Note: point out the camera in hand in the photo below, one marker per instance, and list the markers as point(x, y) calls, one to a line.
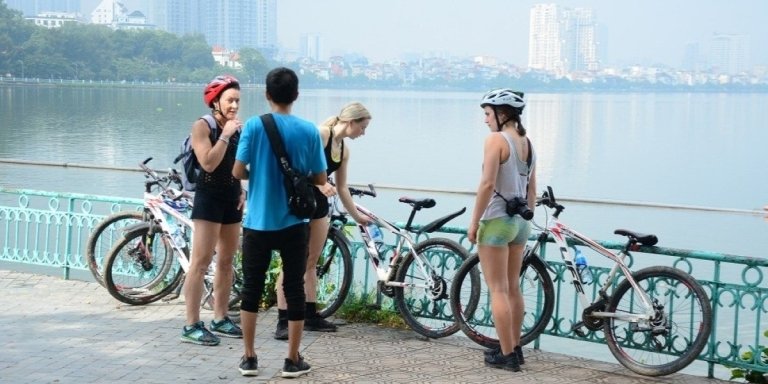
point(519, 206)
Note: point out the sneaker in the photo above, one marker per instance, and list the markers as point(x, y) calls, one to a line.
point(492, 351)
point(198, 334)
point(508, 362)
point(226, 328)
point(318, 324)
point(519, 353)
point(249, 366)
point(291, 369)
point(281, 332)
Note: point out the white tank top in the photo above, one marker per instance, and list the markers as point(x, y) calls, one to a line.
point(511, 181)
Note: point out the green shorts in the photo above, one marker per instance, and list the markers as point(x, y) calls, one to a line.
point(503, 231)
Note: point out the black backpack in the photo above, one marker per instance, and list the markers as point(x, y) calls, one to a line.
point(188, 158)
point(300, 189)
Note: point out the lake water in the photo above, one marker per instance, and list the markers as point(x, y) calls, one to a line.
point(668, 148)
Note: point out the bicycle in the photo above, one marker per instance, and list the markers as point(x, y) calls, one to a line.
point(417, 276)
point(140, 267)
point(656, 320)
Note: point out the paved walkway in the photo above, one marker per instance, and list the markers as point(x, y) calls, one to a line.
point(59, 331)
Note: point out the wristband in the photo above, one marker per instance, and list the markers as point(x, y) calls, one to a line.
point(224, 140)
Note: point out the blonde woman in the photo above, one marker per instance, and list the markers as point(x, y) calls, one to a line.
point(350, 123)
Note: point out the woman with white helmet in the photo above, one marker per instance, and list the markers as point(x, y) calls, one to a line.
point(505, 199)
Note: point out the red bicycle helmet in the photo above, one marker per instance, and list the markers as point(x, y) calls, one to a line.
point(216, 86)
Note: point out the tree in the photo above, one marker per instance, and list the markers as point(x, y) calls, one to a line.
point(255, 66)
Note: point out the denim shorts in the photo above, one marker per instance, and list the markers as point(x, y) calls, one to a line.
point(503, 231)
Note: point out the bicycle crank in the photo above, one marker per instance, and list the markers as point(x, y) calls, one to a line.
point(439, 289)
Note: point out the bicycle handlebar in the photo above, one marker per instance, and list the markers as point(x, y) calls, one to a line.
point(163, 182)
point(361, 192)
point(548, 200)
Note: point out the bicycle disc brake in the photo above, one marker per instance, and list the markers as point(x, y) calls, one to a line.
point(439, 288)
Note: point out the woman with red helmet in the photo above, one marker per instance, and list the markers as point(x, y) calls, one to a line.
point(217, 212)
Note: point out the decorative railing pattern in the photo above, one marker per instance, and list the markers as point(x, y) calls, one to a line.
point(51, 229)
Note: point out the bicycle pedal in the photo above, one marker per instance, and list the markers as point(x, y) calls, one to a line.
point(576, 329)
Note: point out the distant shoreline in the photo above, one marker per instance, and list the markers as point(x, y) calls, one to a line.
point(530, 88)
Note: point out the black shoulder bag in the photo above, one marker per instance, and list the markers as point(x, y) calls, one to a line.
point(301, 194)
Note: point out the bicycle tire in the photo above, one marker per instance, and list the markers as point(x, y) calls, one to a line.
point(235, 295)
point(160, 274)
point(692, 311)
point(536, 287)
point(103, 237)
point(428, 311)
point(334, 273)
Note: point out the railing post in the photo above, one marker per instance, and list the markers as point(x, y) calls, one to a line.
point(68, 238)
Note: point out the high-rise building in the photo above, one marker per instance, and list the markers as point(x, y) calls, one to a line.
point(230, 24)
point(562, 40)
point(310, 46)
point(729, 53)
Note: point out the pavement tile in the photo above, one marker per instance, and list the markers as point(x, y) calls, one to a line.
point(75, 332)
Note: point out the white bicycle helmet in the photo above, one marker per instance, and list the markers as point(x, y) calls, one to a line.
point(504, 96)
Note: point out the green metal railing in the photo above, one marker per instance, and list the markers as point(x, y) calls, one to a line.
point(51, 229)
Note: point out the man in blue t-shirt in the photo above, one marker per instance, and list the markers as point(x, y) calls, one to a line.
point(268, 225)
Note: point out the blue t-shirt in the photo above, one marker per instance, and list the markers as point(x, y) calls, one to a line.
point(267, 205)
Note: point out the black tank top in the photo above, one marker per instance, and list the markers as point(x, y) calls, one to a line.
point(221, 179)
point(332, 165)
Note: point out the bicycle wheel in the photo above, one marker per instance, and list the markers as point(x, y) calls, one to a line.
point(140, 269)
point(426, 308)
point(235, 294)
point(538, 295)
point(674, 337)
point(103, 236)
point(334, 273)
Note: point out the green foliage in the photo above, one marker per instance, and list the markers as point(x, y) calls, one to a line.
point(96, 52)
point(360, 308)
point(751, 376)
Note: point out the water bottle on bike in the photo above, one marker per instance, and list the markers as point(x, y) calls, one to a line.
point(582, 267)
point(376, 236)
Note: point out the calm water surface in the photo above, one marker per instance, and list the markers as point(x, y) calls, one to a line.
point(669, 148)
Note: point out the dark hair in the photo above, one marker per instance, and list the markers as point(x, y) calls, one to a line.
point(511, 114)
point(282, 85)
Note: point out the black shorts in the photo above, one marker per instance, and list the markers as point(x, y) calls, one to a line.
point(322, 205)
point(212, 206)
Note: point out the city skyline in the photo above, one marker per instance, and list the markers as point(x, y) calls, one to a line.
point(648, 33)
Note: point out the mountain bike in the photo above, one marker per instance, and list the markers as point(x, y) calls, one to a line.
point(656, 320)
point(150, 259)
point(103, 236)
point(417, 275)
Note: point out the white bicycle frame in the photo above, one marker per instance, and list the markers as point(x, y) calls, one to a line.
point(405, 242)
point(559, 233)
point(159, 209)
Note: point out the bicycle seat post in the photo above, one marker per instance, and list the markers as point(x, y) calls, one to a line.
point(410, 218)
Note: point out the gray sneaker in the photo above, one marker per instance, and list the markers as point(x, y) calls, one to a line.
point(281, 331)
point(198, 334)
point(226, 328)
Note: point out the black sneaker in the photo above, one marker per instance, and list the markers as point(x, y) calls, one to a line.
point(281, 332)
point(291, 369)
point(508, 362)
point(249, 366)
point(519, 352)
point(318, 324)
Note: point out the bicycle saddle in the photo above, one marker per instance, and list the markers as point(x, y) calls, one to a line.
point(639, 237)
point(418, 203)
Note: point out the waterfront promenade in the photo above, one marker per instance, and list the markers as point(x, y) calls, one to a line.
point(68, 331)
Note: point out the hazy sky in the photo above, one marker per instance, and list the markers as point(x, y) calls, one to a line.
point(645, 32)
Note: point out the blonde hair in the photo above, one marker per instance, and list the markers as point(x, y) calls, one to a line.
point(351, 112)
